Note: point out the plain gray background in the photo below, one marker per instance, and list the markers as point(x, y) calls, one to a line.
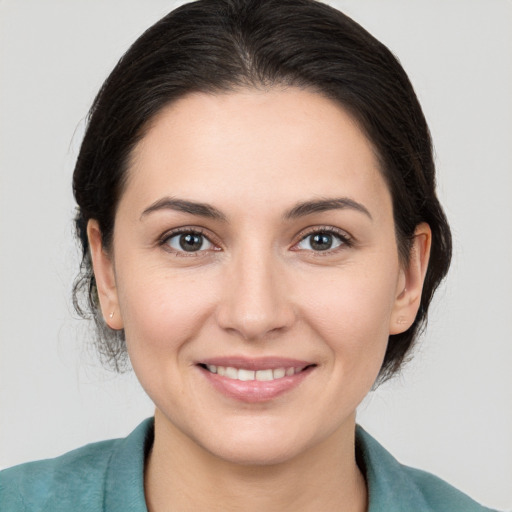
point(450, 412)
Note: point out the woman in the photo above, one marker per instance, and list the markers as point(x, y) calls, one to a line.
point(261, 236)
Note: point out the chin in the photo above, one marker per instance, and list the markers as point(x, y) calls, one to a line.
point(258, 445)
point(264, 453)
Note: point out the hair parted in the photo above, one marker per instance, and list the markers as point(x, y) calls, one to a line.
point(217, 46)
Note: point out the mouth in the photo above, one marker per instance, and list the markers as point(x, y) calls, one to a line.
point(255, 380)
point(247, 375)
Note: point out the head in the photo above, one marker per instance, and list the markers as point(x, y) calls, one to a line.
point(230, 47)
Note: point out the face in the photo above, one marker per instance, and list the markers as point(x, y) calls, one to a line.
point(255, 271)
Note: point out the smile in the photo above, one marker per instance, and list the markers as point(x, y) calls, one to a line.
point(255, 380)
point(245, 375)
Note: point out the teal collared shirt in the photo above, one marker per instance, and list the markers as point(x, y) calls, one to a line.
point(109, 477)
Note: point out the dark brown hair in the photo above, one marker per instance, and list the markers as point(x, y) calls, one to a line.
point(221, 45)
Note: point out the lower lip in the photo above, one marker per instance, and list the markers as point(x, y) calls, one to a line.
point(255, 390)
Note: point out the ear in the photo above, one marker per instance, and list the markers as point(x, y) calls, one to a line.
point(410, 282)
point(105, 277)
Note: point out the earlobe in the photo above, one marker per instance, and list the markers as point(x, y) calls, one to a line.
point(411, 280)
point(103, 268)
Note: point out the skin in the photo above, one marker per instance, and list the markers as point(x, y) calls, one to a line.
point(258, 289)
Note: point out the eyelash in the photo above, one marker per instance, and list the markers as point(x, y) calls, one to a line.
point(164, 242)
point(344, 238)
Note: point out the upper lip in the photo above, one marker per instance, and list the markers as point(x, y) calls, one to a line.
point(257, 363)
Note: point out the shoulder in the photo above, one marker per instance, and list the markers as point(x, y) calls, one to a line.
point(78, 475)
point(439, 495)
point(88, 478)
point(395, 487)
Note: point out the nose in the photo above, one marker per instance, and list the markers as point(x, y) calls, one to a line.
point(255, 301)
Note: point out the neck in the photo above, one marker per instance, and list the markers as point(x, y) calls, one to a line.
point(180, 475)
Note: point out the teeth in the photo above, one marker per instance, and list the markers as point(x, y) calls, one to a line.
point(248, 375)
point(279, 373)
point(264, 375)
point(245, 375)
point(231, 373)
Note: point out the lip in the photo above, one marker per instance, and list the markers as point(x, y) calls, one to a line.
point(256, 363)
point(255, 391)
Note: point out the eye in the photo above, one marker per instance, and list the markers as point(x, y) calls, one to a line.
point(189, 241)
point(323, 240)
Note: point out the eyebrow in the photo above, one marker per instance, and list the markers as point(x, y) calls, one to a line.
point(181, 205)
point(323, 205)
point(299, 210)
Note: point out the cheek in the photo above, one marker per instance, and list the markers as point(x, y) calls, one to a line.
point(161, 311)
point(351, 311)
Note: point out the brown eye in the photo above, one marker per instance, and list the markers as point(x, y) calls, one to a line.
point(189, 242)
point(321, 241)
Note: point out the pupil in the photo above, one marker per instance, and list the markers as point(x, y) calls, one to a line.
point(321, 242)
point(191, 242)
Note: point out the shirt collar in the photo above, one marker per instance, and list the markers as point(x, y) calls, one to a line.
point(389, 487)
point(124, 483)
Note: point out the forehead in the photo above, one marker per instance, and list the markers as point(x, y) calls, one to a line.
point(277, 145)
